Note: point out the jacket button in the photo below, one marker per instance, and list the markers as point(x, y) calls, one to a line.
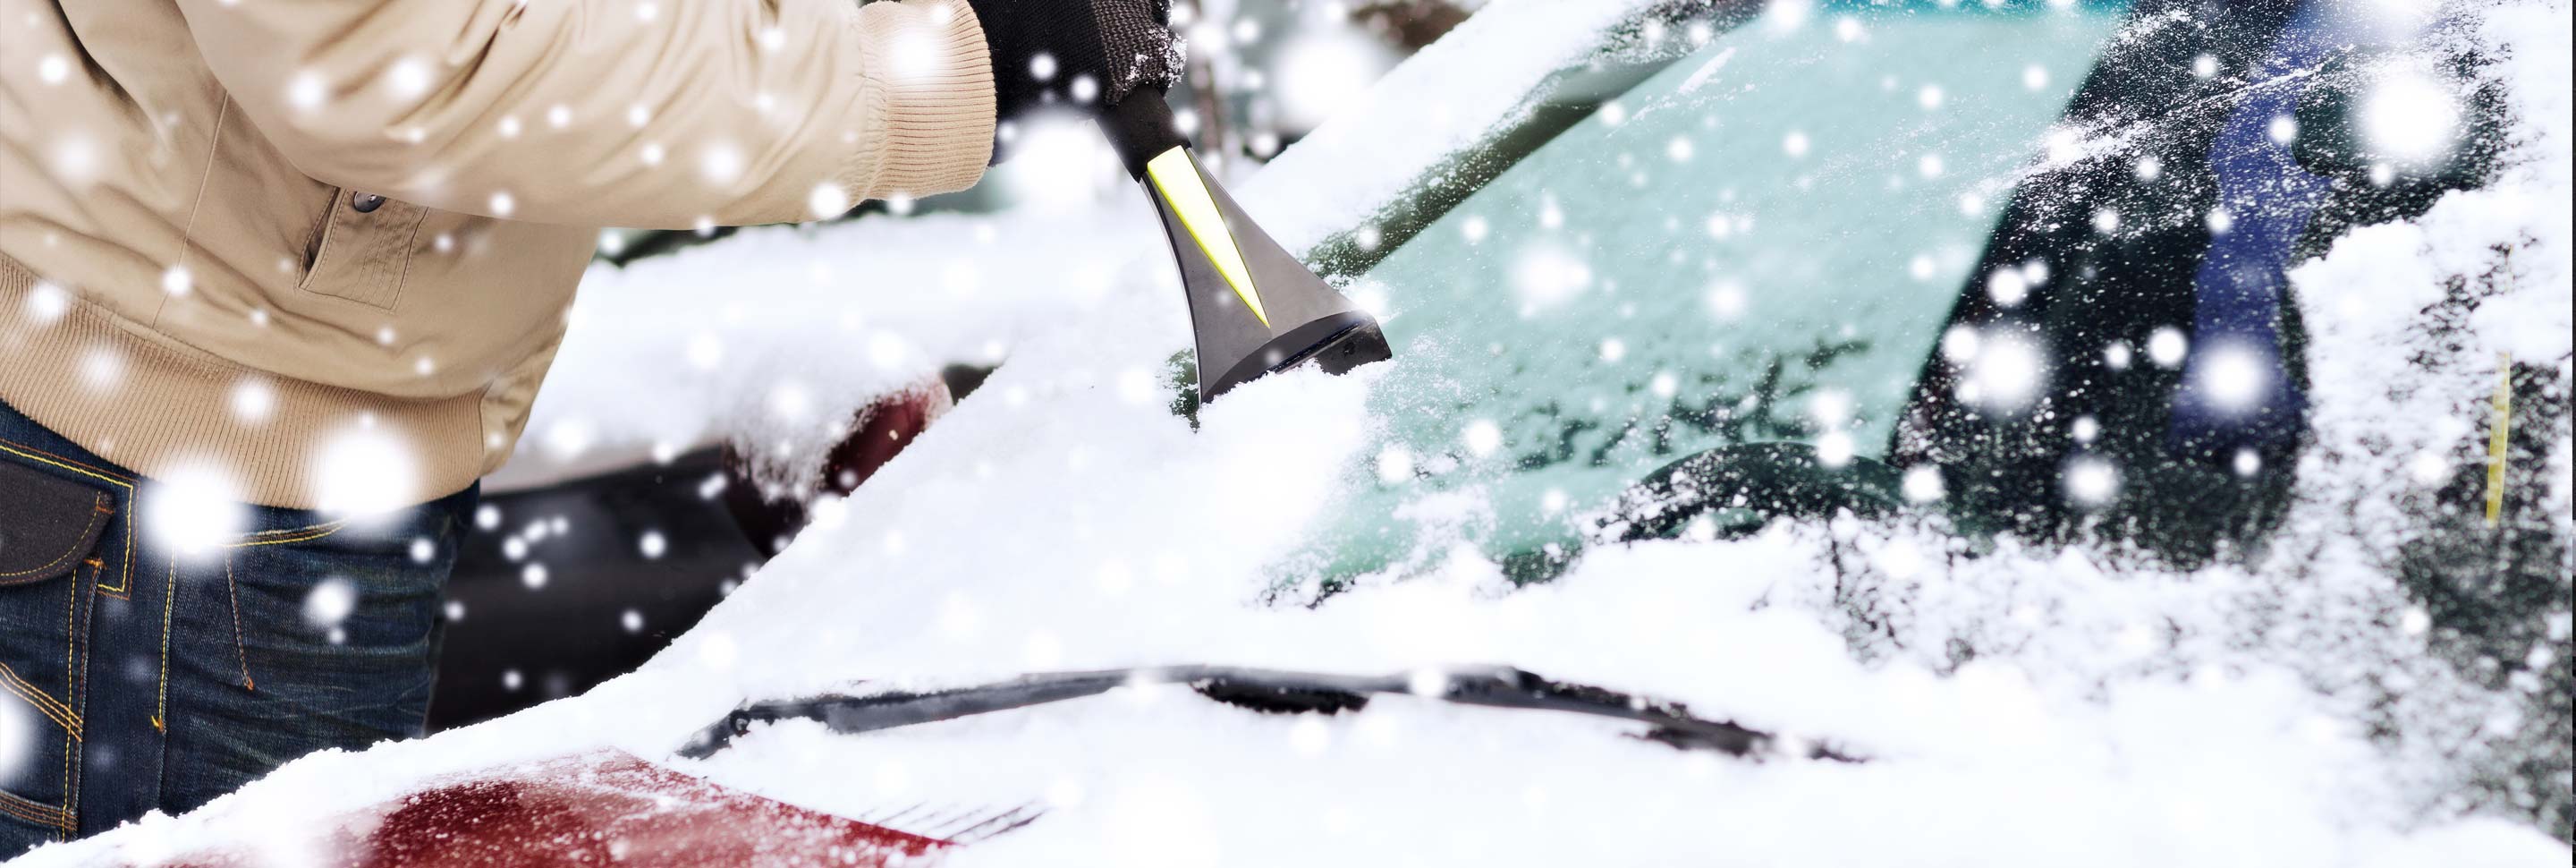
point(366, 202)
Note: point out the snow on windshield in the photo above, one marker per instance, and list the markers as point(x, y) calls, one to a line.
point(1761, 243)
point(2024, 705)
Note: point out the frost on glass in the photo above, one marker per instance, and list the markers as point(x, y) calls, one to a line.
point(1758, 244)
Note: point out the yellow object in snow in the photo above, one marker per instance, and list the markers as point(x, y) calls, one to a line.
point(2497, 437)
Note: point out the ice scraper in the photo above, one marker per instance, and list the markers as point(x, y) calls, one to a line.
point(1254, 308)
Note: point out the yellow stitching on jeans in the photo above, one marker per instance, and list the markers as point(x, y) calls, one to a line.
point(72, 553)
point(54, 709)
point(169, 602)
point(292, 530)
point(66, 463)
point(71, 688)
point(71, 608)
point(33, 454)
point(47, 820)
point(72, 692)
point(17, 802)
point(37, 699)
point(232, 591)
point(309, 534)
point(125, 577)
point(25, 809)
point(31, 809)
point(39, 696)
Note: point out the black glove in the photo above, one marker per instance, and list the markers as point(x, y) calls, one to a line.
point(1089, 54)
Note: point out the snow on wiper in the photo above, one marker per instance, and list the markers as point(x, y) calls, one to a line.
point(1272, 691)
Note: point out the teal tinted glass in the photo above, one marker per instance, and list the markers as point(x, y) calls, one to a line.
point(1760, 243)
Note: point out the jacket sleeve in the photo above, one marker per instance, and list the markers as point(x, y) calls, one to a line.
point(644, 113)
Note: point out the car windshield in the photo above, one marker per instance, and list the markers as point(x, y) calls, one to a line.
point(1761, 242)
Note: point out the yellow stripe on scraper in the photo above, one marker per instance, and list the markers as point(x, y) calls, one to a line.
point(2499, 438)
point(1178, 179)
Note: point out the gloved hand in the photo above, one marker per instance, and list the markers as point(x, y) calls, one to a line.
point(1087, 54)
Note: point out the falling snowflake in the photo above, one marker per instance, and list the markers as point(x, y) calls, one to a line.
point(1786, 16)
point(1323, 70)
point(2283, 129)
point(2007, 287)
point(2092, 481)
point(306, 91)
point(1483, 438)
point(720, 164)
point(330, 602)
point(1923, 484)
point(1394, 464)
point(2235, 377)
point(2406, 116)
point(1547, 275)
point(1474, 228)
point(827, 201)
point(253, 401)
point(364, 470)
point(2166, 347)
point(408, 78)
point(193, 511)
point(2006, 373)
point(2115, 355)
point(19, 731)
point(1835, 448)
point(47, 303)
point(2247, 462)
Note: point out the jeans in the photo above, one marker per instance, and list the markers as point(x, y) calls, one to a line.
point(140, 674)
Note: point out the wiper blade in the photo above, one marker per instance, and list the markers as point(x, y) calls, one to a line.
point(1265, 690)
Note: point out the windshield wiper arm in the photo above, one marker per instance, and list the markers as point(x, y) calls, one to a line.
point(1263, 690)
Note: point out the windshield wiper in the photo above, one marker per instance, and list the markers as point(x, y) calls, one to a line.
point(1266, 690)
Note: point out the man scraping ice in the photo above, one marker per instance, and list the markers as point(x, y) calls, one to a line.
point(279, 280)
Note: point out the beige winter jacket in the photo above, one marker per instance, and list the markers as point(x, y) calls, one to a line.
point(289, 243)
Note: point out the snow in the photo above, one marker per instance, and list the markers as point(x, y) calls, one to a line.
point(882, 305)
point(2022, 706)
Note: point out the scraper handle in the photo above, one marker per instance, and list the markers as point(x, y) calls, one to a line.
point(1141, 128)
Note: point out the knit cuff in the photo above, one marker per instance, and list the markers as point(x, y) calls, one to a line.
point(930, 81)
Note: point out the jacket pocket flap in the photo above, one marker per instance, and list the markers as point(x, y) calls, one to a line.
point(47, 523)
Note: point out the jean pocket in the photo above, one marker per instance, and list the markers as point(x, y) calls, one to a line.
point(50, 528)
point(336, 623)
point(47, 524)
